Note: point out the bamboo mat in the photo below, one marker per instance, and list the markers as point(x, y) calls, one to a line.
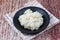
point(10, 5)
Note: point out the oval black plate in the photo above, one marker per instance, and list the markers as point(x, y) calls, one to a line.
point(46, 18)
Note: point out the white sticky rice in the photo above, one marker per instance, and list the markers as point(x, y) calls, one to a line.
point(31, 20)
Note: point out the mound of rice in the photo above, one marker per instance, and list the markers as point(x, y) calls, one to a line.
point(31, 20)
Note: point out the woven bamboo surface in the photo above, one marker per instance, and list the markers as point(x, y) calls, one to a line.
point(7, 6)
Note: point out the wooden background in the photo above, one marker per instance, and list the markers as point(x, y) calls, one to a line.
point(7, 6)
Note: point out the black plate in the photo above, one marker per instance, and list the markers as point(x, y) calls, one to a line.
point(46, 19)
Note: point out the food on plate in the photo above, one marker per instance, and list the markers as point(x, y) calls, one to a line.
point(31, 20)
